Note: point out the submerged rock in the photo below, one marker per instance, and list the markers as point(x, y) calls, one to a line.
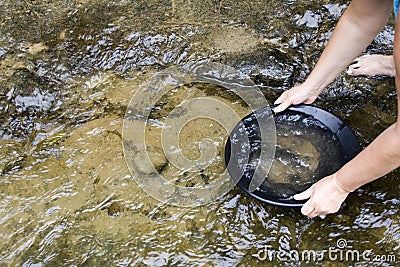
point(12, 155)
point(297, 160)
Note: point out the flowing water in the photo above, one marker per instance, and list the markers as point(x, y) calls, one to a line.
point(68, 70)
point(306, 152)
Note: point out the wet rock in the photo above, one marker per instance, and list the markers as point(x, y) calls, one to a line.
point(2, 52)
point(233, 39)
point(310, 19)
point(26, 100)
point(171, 99)
point(299, 147)
point(114, 209)
point(297, 157)
point(12, 155)
point(154, 161)
point(35, 48)
point(94, 150)
point(268, 66)
point(377, 119)
point(10, 64)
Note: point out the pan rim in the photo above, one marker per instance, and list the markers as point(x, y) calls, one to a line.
point(336, 125)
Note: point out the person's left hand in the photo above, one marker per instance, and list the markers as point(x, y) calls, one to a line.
point(324, 197)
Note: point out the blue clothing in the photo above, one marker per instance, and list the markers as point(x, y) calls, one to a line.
point(396, 7)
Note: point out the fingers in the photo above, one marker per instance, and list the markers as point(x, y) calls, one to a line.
point(307, 209)
point(310, 211)
point(284, 105)
point(324, 197)
point(303, 195)
point(281, 98)
point(283, 101)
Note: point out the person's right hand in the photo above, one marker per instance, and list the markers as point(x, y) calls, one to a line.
point(324, 197)
point(296, 95)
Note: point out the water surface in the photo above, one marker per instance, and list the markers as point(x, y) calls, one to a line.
point(67, 72)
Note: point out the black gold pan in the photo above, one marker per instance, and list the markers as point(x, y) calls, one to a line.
point(335, 144)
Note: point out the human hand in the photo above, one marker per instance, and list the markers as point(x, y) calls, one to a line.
point(296, 95)
point(324, 197)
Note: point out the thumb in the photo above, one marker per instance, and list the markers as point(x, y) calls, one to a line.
point(304, 195)
point(282, 106)
point(281, 98)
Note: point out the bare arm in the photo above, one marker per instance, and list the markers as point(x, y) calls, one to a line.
point(356, 29)
point(379, 158)
point(383, 154)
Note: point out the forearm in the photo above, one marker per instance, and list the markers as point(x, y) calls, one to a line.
point(383, 154)
point(355, 30)
point(376, 160)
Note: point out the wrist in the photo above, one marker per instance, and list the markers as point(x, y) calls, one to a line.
point(316, 86)
point(341, 186)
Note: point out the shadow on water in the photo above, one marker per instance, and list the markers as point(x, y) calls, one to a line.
point(67, 72)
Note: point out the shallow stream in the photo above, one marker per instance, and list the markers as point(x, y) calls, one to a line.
point(68, 70)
